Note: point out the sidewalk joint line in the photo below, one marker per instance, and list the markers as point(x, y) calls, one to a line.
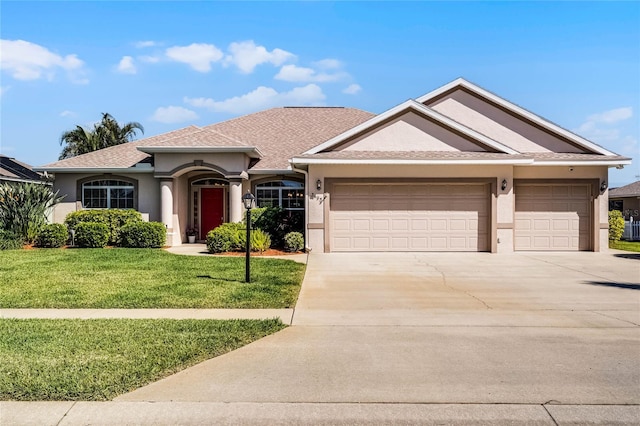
point(545, 409)
point(66, 413)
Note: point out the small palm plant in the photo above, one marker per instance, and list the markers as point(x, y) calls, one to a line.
point(24, 208)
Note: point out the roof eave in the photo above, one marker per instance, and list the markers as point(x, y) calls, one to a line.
point(297, 160)
point(134, 169)
point(251, 151)
point(610, 163)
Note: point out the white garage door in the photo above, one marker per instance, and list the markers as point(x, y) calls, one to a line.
point(409, 217)
point(553, 217)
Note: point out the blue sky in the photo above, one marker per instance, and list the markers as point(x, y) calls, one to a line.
point(168, 65)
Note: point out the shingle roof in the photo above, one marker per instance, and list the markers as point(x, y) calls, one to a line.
point(119, 156)
point(12, 169)
point(278, 133)
point(281, 133)
point(631, 190)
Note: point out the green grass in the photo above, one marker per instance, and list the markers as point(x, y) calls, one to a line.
point(625, 245)
point(142, 278)
point(53, 360)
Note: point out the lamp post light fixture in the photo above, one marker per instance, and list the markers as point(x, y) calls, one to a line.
point(249, 201)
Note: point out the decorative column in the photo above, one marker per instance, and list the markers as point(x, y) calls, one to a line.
point(166, 207)
point(235, 200)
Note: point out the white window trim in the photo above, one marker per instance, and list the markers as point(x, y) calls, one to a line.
point(107, 188)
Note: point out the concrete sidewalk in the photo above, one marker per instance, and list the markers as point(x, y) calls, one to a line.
point(207, 413)
point(285, 315)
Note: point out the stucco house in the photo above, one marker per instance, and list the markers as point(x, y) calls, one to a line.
point(457, 169)
point(626, 199)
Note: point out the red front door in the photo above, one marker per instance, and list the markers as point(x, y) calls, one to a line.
point(211, 208)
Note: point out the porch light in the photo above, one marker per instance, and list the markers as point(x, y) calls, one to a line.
point(504, 184)
point(318, 184)
point(249, 201)
point(603, 186)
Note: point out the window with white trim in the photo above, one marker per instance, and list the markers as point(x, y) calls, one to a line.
point(288, 194)
point(107, 194)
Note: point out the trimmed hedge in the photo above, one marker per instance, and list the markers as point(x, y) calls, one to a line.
point(53, 235)
point(294, 241)
point(225, 237)
point(616, 225)
point(10, 240)
point(92, 234)
point(114, 219)
point(143, 235)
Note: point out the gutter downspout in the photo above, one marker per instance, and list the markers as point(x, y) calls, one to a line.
point(306, 203)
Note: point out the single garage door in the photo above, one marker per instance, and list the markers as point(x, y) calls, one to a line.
point(553, 217)
point(409, 217)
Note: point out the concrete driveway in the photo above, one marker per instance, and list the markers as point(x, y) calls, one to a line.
point(556, 332)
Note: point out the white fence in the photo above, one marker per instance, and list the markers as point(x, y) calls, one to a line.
point(631, 230)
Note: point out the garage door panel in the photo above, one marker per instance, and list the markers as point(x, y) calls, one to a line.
point(552, 217)
point(431, 219)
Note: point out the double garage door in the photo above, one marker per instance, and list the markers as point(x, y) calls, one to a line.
point(455, 217)
point(409, 217)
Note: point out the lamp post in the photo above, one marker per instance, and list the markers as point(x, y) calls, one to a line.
point(248, 200)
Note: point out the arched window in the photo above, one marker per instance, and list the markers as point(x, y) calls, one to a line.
point(288, 194)
point(108, 194)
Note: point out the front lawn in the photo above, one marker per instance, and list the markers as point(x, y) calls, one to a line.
point(625, 245)
point(142, 278)
point(49, 360)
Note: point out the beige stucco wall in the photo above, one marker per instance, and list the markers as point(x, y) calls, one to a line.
point(411, 132)
point(499, 125)
point(230, 162)
point(148, 194)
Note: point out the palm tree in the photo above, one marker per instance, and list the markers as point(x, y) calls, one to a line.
point(106, 133)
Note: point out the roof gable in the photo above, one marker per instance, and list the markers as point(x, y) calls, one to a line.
point(422, 128)
point(631, 190)
point(504, 121)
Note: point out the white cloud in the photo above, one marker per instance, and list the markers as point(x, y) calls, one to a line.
point(261, 98)
point(612, 116)
point(29, 61)
point(143, 44)
point(294, 73)
point(352, 89)
point(247, 56)
point(67, 113)
point(149, 59)
point(127, 65)
point(198, 56)
point(174, 114)
point(328, 64)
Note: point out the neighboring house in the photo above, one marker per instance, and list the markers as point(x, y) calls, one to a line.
point(626, 199)
point(458, 169)
point(12, 170)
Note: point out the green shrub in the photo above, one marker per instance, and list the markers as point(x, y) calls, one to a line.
point(92, 234)
point(294, 241)
point(53, 235)
point(24, 208)
point(260, 240)
point(225, 237)
point(10, 241)
point(115, 219)
point(143, 235)
point(616, 225)
point(277, 222)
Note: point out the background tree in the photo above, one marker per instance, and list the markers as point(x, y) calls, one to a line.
point(108, 132)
